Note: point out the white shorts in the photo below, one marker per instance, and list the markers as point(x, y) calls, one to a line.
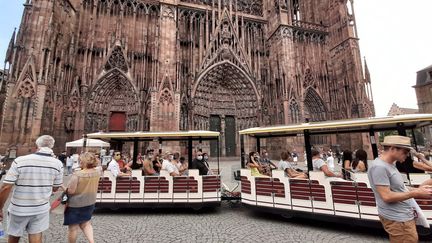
point(33, 224)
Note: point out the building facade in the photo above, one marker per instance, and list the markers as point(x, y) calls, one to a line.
point(395, 110)
point(423, 89)
point(81, 66)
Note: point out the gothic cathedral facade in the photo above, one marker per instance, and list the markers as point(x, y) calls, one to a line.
point(79, 66)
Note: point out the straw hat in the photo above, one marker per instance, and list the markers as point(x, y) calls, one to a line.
point(397, 141)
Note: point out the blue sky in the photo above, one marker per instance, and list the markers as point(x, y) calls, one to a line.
point(394, 36)
point(10, 17)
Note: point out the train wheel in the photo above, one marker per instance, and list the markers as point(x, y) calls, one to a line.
point(287, 215)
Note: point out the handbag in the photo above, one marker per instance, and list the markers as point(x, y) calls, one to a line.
point(59, 205)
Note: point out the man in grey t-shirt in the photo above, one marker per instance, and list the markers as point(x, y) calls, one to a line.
point(392, 197)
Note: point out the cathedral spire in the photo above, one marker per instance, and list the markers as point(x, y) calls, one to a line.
point(9, 52)
point(367, 73)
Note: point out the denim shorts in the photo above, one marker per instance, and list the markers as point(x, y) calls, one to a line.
point(78, 215)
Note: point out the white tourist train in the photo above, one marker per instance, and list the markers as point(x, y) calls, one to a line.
point(333, 201)
point(138, 191)
point(320, 197)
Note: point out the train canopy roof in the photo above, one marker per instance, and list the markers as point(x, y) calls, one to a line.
point(163, 136)
point(344, 126)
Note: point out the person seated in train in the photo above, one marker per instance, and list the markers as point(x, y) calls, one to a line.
point(254, 165)
point(128, 161)
point(138, 165)
point(199, 164)
point(330, 160)
point(169, 164)
point(295, 156)
point(183, 166)
point(347, 159)
point(420, 161)
point(285, 165)
point(320, 165)
point(148, 167)
point(266, 164)
point(114, 166)
point(176, 160)
point(157, 163)
point(359, 163)
point(414, 163)
point(205, 162)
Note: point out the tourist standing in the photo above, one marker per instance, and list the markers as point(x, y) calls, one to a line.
point(82, 190)
point(69, 164)
point(393, 199)
point(29, 209)
point(114, 166)
point(266, 164)
point(62, 157)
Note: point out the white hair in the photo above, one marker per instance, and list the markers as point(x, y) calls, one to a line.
point(45, 141)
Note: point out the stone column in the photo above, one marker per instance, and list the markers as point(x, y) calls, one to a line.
point(160, 120)
point(222, 137)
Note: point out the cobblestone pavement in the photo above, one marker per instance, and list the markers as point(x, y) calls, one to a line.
point(226, 224)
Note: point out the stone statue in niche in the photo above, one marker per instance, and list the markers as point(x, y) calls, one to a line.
point(68, 123)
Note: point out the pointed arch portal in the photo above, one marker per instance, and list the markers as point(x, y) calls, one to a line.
point(225, 99)
point(315, 109)
point(113, 104)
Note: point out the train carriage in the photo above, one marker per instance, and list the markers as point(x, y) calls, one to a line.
point(138, 191)
point(320, 197)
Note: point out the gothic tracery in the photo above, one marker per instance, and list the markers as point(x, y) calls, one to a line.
point(169, 65)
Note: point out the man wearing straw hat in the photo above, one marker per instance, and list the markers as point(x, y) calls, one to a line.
point(393, 199)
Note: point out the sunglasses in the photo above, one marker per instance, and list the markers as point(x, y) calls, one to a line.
point(405, 151)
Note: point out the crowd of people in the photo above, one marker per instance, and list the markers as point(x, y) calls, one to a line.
point(43, 173)
point(261, 165)
point(37, 176)
point(34, 178)
point(398, 211)
point(152, 164)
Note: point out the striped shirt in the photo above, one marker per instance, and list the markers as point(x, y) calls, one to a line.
point(34, 176)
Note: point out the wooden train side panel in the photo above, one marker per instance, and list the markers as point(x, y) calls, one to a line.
point(366, 201)
point(154, 186)
point(344, 195)
point(105, 190)
point(301, 195)
point(124, 187)
point(319, 198)
point(183, 187)
point(426, 207)
point(278, 188)
point(281, 194)
point(264, 191)
point(211, 185)
point(245, 185)
point(246, 189)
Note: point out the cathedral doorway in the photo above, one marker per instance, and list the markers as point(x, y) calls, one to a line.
point(117, 122)
point(113, 104)
point(225, 99)
point(315, 110)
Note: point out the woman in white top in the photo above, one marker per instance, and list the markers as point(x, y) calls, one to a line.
point(69, 164)
point(320, 165)
point(285, 165)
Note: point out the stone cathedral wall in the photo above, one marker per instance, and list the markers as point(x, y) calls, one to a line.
point(82, 66)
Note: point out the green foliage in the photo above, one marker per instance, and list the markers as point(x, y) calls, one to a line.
point(419, 136)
